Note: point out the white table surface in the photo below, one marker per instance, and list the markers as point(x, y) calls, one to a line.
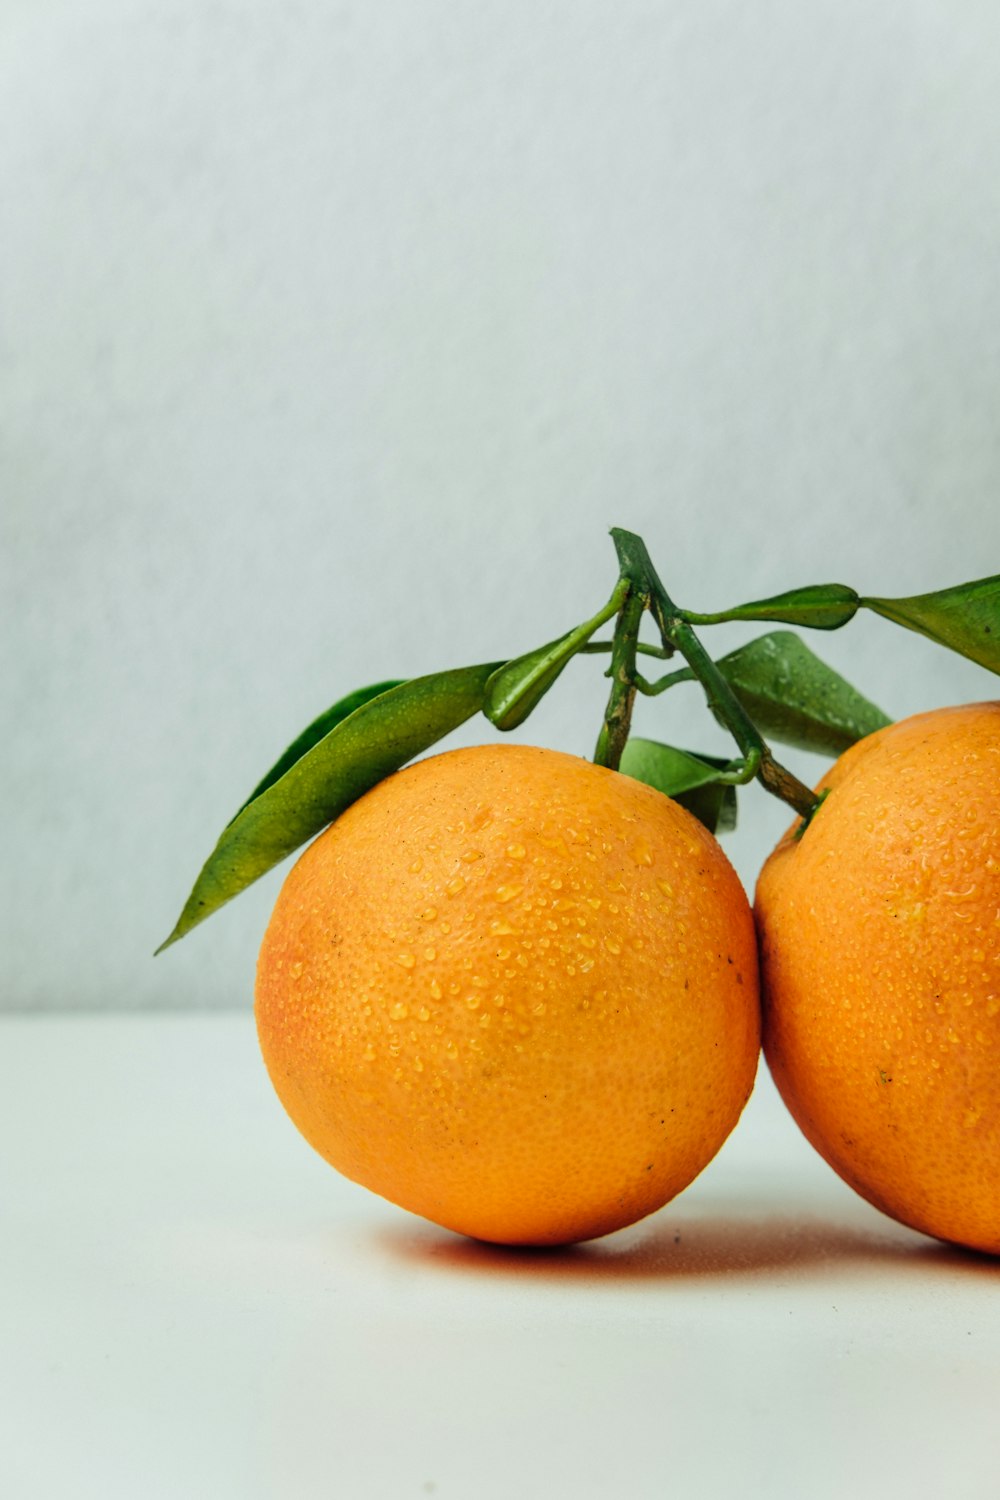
point(192, 1304)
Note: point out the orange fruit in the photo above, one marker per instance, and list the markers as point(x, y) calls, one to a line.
point(880, 953)
point(513, 992)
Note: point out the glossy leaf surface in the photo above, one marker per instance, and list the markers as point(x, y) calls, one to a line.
point(519, 685)
point(379, 737)
point(691, 780)
point(965, 618)
point(820, 606)
point(316, 731)
point(793, 696)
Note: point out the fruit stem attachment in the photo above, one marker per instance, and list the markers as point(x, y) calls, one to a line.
point(647, 592)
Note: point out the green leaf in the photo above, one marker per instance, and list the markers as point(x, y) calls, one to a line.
point(519, 685)
point(380, 735)
point(793, 696)
point(691, 780)
point(820, 606)
point(666, 768)
point(316, 731)
point(714, 806)
point(965, 618)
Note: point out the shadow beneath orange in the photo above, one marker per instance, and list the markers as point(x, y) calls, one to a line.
point(690, 1248)
point(937, 1255)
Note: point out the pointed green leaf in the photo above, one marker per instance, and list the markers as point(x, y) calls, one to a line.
point(376, 739)
point(793, 696)
point(965, 618)
point(691, 780)
point(316, 731)
point(820, 606)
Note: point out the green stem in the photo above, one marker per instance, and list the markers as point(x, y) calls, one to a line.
point(612, 608)
point(618, 714)
point(677, 634)
point(593, 648)
point(692, 616)
point(654, 689)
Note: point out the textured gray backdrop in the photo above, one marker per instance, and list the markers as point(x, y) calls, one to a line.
point(334, 336)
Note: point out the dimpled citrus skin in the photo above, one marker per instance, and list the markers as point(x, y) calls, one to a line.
point(880, 952)
point(513, 992)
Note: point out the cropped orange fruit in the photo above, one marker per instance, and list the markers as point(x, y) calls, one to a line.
point(880, 950)
point(513, 992)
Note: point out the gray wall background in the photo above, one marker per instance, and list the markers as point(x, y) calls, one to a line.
point(334, 337)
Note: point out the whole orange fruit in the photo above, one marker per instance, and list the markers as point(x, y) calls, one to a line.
point(513, 992)
point(880, 952)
